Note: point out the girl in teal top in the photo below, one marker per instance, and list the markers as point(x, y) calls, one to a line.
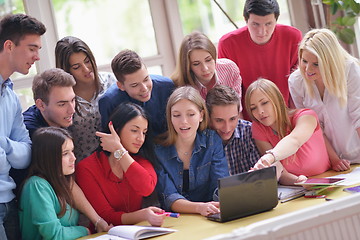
point(46, 204)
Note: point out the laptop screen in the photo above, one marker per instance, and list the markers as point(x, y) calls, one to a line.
point(247, 193)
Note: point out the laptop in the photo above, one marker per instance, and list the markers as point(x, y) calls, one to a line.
point(246, 194)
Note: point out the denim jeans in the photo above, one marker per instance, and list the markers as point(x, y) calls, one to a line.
point(9, 221)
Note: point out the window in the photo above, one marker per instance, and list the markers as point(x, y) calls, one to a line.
point(108, 26)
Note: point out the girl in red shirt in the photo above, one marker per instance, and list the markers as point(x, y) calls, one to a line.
point(117, 177)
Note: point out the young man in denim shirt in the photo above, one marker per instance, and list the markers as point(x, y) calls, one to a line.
point(19, 50)
point(223, 104)
point(136, 85)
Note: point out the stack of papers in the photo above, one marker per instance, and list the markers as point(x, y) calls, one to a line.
point(350, 178)
point(286, 192)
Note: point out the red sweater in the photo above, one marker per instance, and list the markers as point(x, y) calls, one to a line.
point(110, 196)
point(274, 60)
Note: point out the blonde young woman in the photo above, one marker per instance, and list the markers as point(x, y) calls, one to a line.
point(293, 137)
point(198, 66)
point(328, 81)
point(191, 157)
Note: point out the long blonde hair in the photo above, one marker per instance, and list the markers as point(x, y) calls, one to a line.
point(331, 61)
point(273, 93)
point(188, 93)
point(183, 75)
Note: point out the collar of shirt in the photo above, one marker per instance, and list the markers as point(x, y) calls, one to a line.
point(200, 142)
point(200, 85)
point(236, 134)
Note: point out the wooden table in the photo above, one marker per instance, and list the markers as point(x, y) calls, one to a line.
point(195, 226)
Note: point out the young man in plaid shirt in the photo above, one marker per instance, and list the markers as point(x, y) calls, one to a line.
point(223, 104)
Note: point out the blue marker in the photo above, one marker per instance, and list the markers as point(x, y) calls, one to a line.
point(170, 214)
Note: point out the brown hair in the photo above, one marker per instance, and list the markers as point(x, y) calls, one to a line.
point(188, 93)
point(15, 27)
point(44, 82)
point(125, 62)
point(273, 93)
point(221, 95)
point(46, 163)
point(65, 47)
point(183, 75)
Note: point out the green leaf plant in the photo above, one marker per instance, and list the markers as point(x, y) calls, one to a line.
point(342, 26)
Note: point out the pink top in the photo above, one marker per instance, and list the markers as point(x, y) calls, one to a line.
point(226, 73)
point(311, 158)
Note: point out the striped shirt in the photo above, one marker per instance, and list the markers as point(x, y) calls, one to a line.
point(241, 152)
point(226, 73)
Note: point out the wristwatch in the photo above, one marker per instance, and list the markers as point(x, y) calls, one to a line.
point(271, 151)
point(118, 154)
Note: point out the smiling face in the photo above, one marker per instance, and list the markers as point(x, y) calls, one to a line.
point(261, 28)
point(262, 109)
point(203, 65)
point(186, 118)
point(59, 110)
point(68, 157)
point(224, 119)
point(25, 54)
point(81, 68)
point(309, 66)
point(133, 134)
point(138, 85)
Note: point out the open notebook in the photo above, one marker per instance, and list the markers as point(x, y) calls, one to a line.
point(133, 232)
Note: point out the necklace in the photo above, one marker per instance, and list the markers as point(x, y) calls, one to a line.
point(274, 132)
point(184, 153)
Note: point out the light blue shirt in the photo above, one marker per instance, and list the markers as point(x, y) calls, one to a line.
point(15, 144)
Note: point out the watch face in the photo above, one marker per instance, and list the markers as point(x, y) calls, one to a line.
point(117, 154)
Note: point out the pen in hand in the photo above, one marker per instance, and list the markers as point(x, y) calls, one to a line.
point(170, 214)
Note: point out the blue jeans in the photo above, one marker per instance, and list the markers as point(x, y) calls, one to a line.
point(9, 221)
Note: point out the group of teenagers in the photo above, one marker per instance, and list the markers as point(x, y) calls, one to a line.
point(125, 147)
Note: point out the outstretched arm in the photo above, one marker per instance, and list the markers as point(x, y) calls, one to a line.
point(305, 127)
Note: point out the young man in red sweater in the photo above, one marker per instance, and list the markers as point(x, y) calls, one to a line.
point(262, 48)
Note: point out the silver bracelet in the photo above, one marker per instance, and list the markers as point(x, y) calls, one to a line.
point(271, 151)
point(118, 154)
point(96, 223)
